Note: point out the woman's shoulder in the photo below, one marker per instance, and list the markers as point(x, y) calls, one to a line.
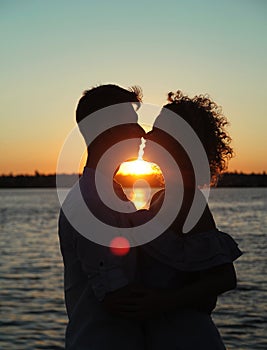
point(194, 251)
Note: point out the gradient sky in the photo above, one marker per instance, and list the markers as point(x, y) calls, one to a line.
point(53, 50)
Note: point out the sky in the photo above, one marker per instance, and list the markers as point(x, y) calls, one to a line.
point(51, 51)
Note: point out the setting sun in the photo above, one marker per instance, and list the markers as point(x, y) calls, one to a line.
point(138, 167)
point(140, 181)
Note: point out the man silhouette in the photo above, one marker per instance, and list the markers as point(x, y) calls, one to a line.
point(91, 271)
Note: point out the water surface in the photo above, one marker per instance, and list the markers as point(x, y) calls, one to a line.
point(31, 272)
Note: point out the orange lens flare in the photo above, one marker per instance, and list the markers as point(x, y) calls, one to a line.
point(119, 246)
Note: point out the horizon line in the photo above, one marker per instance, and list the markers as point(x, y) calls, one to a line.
point(37, 173)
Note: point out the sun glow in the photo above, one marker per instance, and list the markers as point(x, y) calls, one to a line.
point(137, 167)
point(140, 179)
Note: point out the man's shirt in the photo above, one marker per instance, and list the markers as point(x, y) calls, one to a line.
point(91, 270)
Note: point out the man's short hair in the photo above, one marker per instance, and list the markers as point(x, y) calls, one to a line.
point(103, 96)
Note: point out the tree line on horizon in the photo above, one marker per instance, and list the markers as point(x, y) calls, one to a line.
point(229, 179)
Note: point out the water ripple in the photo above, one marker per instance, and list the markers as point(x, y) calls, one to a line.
point(31, 272)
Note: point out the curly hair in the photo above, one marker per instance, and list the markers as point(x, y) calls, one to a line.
point(207, 120)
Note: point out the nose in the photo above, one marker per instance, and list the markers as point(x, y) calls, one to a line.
point(132, 130)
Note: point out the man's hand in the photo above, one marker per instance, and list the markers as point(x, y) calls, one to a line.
point(140, 303)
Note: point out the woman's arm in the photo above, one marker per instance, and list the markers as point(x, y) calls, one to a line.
point(141, 303)
point(214, 281)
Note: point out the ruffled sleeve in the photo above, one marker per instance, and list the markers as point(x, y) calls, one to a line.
point(194, 252)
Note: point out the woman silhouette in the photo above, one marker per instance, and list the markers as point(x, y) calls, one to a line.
point(181, 275)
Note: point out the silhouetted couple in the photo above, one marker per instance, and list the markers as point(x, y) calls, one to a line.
point(160, 294)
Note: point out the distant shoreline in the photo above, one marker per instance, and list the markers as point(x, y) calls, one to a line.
point(68, 180)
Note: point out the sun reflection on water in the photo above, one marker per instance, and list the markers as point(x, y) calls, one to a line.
point(141, 196)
